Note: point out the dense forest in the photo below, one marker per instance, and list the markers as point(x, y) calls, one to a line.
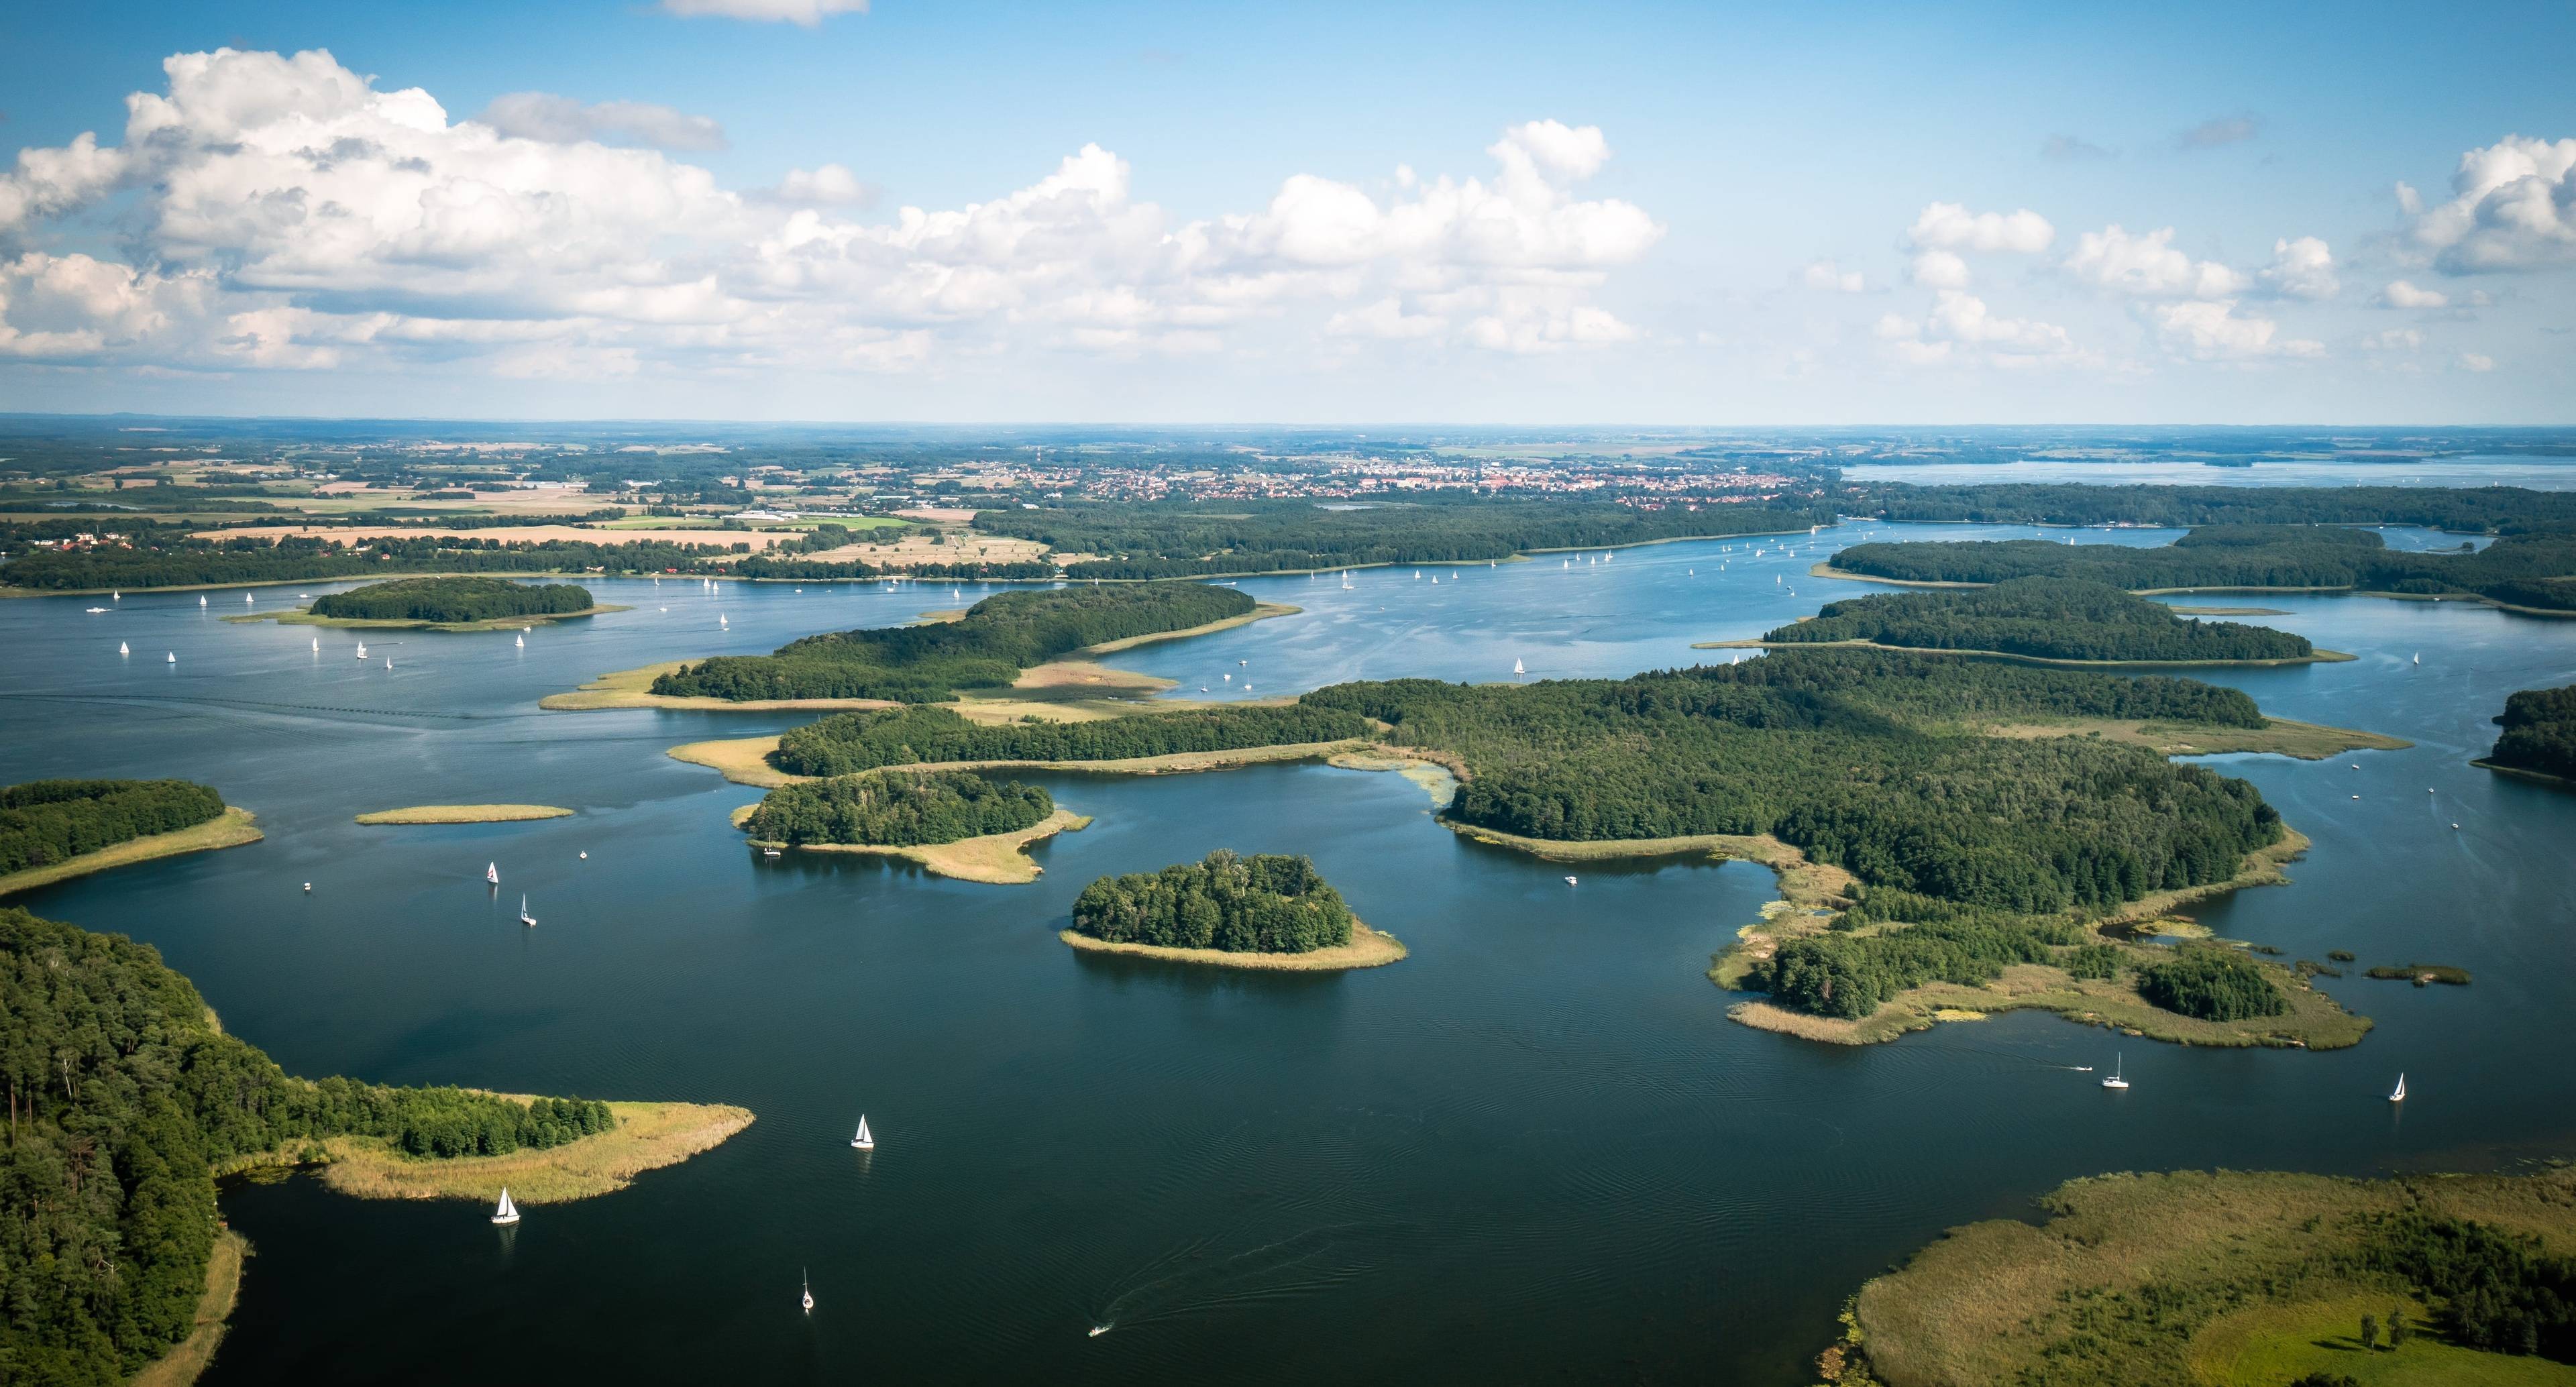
point(2493, 1291)
point(2527, 570)
point(851, 742)
point(43, 822)
point(452, 599)
point(989, 646)
point(1265, 903)
point(897, 809)
point(2049, 618)
point(1989, 848)
point(2213, 984)
point(2464, 510)
point(2539, 732)
point(1193, 539)
point(123, 1096)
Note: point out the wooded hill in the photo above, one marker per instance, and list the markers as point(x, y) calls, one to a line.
point(2539, 732)
point(2047, 618)
point(988, 647)
point(2529, 570)
point(897, 809)
point(1265, 903)
point(452, 599)
point(122, 1097)
point(850, 742)
point(43, 822)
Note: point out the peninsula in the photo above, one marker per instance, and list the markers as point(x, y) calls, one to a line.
point(955, 823)
point(2041, 621)
point(2539, 740)
point(53, 830)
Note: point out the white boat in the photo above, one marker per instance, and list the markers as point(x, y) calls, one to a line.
point(519, 641)
point(524, 917)
point(389, 662)
point(1519, 668)
point(508, 1212)
point(118, 595)
point(721, 623)
point(492, 872)
point(317, 645)
point(121, 650)
point(201, 598)
point(1570, 881)
point(809, 1293)
point(362, 648)
point(2419, 657)
point(864, 1141)
point(2398, 1094)
point(171, 657)
point(2115, 1081)
point(245, 597)
point(94, 610)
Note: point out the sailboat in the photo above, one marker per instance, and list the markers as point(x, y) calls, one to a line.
point(863, 1141)
point(362, 648)
point(171, 656)
point(2115, 1081)
point(121, 650)
point(1570, 881)
point(245, 598)
point(508, 1212)
point(524, 917)
point(520, 641)
point(201, 598)
point(118, 595)
point(809, 1293)
point(317, 645)
point(2419, 657)
point(2398, 1094)
point(389, 662)
point(1518, 668)
point(721, 623)
point(492, 872)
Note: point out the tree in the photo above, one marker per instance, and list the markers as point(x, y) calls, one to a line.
point(2369, 1332)
point(2399, 1329)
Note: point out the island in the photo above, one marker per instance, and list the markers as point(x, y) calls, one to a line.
point(120, 1079)
point(52, 830)
point(465, 814)
point(2539, 741)
point(1263, 911)
point(445, 604)
point(2235, 1277)
point(955, 823)
point(2043, 621)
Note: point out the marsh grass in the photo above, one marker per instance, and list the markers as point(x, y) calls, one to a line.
point(230, 829)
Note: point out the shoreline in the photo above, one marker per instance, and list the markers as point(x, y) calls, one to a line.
point(744, 760)
point(189, 1358)
point(2524, 773)
point(303, 616)
point(465, 814)
point(2302, 741)
point(230, 829)
point(993, 859)
point(632, 688)
point(1827, 570)
point(1368, 949)
point(649, 1136)
point(2318, 655)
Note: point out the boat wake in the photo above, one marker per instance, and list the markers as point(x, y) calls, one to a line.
point(1198, 1279)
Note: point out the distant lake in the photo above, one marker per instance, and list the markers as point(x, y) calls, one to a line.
point(2476, 469)
point(1535, 1150)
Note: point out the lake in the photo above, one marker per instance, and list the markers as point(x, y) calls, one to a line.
point(1535, 1149)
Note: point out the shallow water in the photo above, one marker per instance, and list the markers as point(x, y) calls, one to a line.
point(1534, 1149)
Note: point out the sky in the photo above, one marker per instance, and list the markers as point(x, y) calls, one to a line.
point(1499, 213)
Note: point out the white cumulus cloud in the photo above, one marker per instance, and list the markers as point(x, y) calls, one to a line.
point(2301, 269)
point(1960, 327)
point(2472, 361)
point(2148, 266)
point(2513, 207)
point(2400, 294)
point(562, 120)
point(2213, 331)
point(1950, 226)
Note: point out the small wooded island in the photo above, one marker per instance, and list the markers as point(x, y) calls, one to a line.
point(2539, 735)
point(1262, 911)
point(53, 829)
point(127, 1100)
point(2044, 620)
point(449, 604)
point(955, 823)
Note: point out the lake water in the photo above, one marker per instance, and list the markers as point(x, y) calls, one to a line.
point(1535, 1149)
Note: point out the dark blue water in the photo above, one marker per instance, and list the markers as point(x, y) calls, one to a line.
point(1535, 1149)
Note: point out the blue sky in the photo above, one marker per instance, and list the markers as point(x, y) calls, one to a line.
point(1490, 213)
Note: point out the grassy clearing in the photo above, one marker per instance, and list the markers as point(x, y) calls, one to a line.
point(2318, 656)
point(648, 1137)
point(465, 814)
point(2306, 741)
point(633, 688)
point(191, 1356)
point(996, 859)
point(230, 829)
point(742, 760)
point(2246, 1283)
point(1368, 949)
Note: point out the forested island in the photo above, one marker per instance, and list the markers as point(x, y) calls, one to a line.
point(2236, 1277)
point(2539, 734)
point(52, 829)
point(1174, 539)
point(1227, 908)
point(988, 647)
point(2534, 570)
point(453, 602)
point(2461, 510)
point(850, 742)
point(2043, 618)
point(125, 1098)
point(955, 823)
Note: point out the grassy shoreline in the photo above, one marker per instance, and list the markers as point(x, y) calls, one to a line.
point(190, 1357)
point(745, 760)
point(230, 829)
point(303, 617)
point(648, 1137)
point(994, 859)
point(465, 814)
point(2320, 655)
point(1261, 611)
point(2303, 741)
point(1368, 949)
point(633, 688)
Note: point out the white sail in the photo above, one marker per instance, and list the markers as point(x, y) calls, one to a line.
point(2398, 1094)
point(171, 656)
point(317, 643)
point(1518, 668)
point(121, 650)
point(362, 648)
point(507, 1212)
point(864, 1141)
point(519, 641)
point(524, 917)
point(492, 872)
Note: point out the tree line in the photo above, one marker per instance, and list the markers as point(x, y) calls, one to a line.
point(2530, 569)
point(43, 822)
point(2462, 510)
point(1173, 539)
point(2048, 618)
point(2213, 984)
point(989, 646)
point(2539, 732)
point(453, 599)
point(1265, 903)
point(123, 1097)
point(848, 742)
point(898, 809)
